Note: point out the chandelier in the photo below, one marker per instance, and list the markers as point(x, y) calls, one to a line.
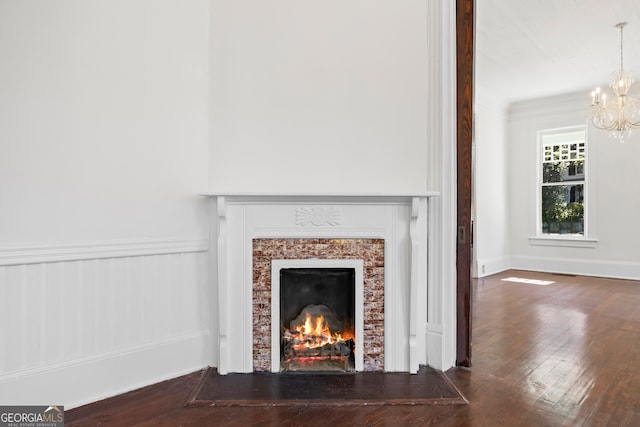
point(620, 115)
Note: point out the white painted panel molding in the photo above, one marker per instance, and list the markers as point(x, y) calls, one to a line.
point(80, 330)
point(85, 380)
point(57, 252)
point(441, 137)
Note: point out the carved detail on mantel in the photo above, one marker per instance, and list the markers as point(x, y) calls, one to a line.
point(318, 216)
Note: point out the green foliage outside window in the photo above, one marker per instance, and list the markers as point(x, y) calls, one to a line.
point(562, 204)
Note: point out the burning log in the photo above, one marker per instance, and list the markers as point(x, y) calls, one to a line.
point(344, 348)
point(310, 340)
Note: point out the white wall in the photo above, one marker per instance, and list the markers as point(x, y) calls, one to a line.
point(614, 193)
point(319, 97)
point(352, 97)
point(103, 120)
point(491, 224)
point(106, 113)
point(103, 149)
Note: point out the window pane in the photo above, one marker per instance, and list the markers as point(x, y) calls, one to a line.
point(563, 209)
point(563, 171)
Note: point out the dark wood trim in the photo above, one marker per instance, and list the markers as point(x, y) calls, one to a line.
point(192, 397)
point(464, 78)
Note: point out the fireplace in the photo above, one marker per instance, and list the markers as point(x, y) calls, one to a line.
point(317, 319)
point(259, 234)
point(317, 315)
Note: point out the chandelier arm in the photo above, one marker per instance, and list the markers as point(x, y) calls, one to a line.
point(633, 124)
point(602, 126)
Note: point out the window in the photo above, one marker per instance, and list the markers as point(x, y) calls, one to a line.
point(561, 203)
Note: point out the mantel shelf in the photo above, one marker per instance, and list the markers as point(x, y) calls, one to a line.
point(215, 193)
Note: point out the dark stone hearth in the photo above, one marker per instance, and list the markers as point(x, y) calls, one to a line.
point(363, 388)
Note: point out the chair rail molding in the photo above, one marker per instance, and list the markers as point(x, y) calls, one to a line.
point(36, 253)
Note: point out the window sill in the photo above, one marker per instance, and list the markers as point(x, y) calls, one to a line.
point(565, 241)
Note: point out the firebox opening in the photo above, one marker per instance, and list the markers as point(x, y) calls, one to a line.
point(317, 319)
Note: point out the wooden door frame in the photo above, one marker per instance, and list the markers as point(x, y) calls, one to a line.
point(465, 20)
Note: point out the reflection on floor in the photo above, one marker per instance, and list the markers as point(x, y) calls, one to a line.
point(566, 354)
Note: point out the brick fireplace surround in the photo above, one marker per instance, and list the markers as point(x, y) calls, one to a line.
point(371, 251)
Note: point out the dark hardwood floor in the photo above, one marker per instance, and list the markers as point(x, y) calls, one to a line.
point(564, 354)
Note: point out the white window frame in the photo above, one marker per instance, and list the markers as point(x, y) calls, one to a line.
point(587, 239)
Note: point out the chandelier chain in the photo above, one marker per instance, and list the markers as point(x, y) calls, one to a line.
point(622, 25)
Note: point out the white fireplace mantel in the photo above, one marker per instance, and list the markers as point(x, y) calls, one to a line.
point(400, 219)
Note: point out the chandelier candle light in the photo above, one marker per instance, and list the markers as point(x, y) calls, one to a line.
point(618, 116)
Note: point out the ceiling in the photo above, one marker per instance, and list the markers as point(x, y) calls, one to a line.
point(533, 48)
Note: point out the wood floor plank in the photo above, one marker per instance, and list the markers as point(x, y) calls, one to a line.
point(565, 354)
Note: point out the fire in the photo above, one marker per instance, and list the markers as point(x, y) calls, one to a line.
point(314, 333)
point(321, 328)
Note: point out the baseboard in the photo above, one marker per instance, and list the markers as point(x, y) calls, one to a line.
point(597, 268)
point(434, 347)
point(487, 267)
point(69, 251)
point(78, 382)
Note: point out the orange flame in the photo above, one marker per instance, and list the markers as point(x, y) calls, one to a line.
point(314, 333)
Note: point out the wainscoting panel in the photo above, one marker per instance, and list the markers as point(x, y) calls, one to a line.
point(66, 316)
